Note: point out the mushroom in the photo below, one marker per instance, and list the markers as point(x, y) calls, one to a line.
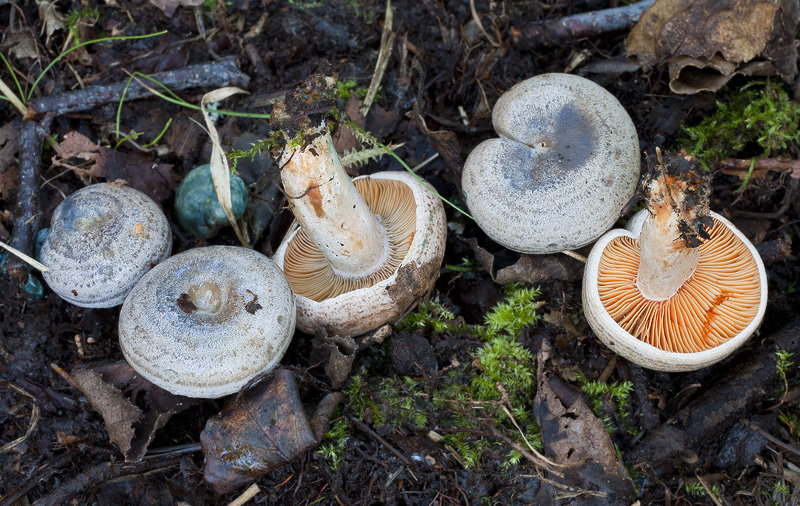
point(366, 250)
point(682, 288)
point(205, 322)
point(103, 238)
point(197, 205)
point(565, 165)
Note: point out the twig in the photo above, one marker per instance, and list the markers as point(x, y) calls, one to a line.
point(737, 164)
point(387, 43)
point(371, 433)
point(37, 477)
point(579, 26)
point(248, 494)
point(101, 473)
point(216, 74)
point(26, 219)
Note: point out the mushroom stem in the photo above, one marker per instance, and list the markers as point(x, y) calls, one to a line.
point(665, 262)
point(331, 211)
point(677, 201)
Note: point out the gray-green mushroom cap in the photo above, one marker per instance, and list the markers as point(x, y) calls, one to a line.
point(566, 163)
point(103, 238)
point(205, 322)
point(197, 206)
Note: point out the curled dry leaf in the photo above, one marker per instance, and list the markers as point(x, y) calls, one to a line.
point(220, 172)
point(707, 42)
point(338, 354)
point(129, 427)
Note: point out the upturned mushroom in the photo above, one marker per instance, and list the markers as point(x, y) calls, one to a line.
point(364, 251)
point(565, 165)
point(682, 288)
point(205, 322)
point(361, 252)
point(103, 238)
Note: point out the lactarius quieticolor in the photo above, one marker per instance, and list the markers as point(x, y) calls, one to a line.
point(565, 165)
point(103, 238)
point(682, 288)
point(366, 250)
point(206, 321)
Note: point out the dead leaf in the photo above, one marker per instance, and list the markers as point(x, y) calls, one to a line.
point(338, 354)
point(532, 269)
point(445, 142)
point(52, 18)
point(707, 42)
point(86, 158)
point(168, 7)
point(220, 172)
point(574, 437)
point(8, 152)
point(343, 139)
point(129, 427)
point(119, 414)
point(261, 429)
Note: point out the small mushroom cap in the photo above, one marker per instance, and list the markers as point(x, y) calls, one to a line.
point(206, 321)
point(197, 206)
point(566, 163)
point(716, 310)
point(358, 310)
point(103, 238)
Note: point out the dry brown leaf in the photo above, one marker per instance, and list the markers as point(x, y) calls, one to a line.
point(8, 152)
point(86, 158)
point(706, 42)
point(53, 20)
point(168, 6)
point(220, 172)
point(261, 429)
point(532, 269)
point(109, 389)
point(573, 436)
point(118, 413)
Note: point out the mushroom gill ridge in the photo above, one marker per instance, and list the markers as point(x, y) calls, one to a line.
point(702, 314)
point(310, 274)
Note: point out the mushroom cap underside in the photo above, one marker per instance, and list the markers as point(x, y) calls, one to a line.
point(415, 221)
point(205, 322)
point(713, 313)
point(567, 150)
point(103, 238)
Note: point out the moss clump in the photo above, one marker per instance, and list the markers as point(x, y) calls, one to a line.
point(465, 402)
point(757, 116)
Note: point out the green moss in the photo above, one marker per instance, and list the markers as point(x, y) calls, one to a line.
point(76, 17)
point(757, 116)
point(467, 398)
point(619, 392)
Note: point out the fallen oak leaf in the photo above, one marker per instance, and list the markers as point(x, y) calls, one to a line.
point(78, 153)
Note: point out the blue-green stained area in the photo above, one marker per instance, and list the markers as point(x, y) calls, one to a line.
point(197, 207)
point(33, 286)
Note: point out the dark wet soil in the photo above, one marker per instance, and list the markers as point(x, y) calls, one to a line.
point(278, 44)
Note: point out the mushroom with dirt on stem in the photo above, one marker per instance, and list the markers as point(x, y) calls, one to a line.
point(205, 322)
point(566, 164)
point(103, 238)
point(681, 288)
point(363, 251)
